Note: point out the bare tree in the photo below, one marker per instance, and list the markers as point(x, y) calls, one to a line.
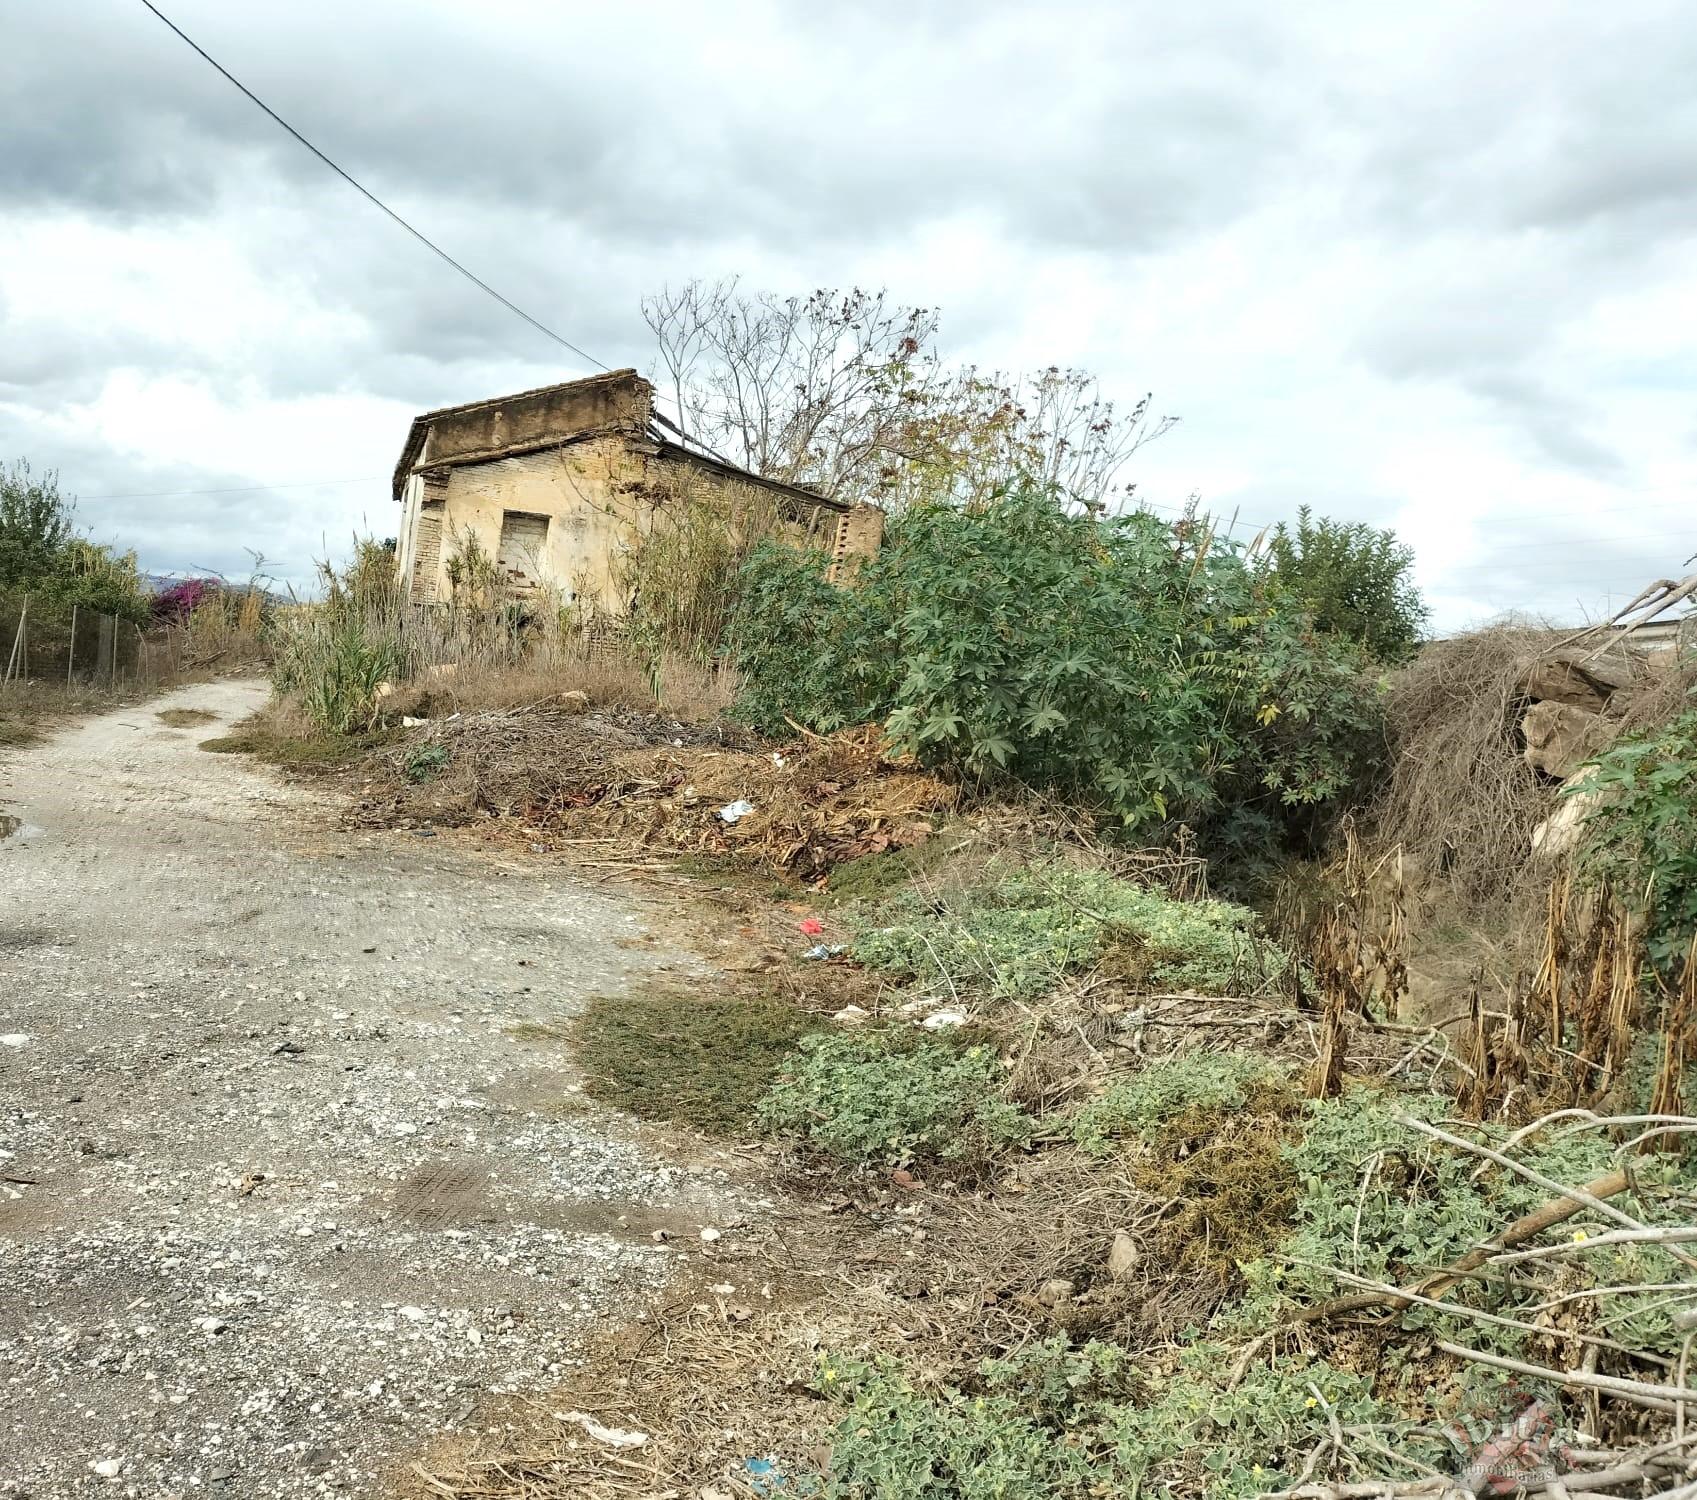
point(808, 390)
point(976, 432)
point(846, 391)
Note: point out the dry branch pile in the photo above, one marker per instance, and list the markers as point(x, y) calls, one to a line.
point(1485, 729)
point(669, 786)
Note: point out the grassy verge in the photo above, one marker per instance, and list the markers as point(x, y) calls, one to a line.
point(1095, 1237)
point(281, 736)
point(686, 1059)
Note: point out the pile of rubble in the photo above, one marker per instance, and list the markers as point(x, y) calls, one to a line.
point(1577, 701)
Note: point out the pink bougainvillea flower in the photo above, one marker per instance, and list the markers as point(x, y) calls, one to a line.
point(812, 926)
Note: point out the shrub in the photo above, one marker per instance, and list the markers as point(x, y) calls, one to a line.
point(1166, 1088)
point(1026, 1432)
point(1143, 668)
point(682, 569)
point(1017, 935)
point(784, 643)
point(41, 553)
point(1354, 580)
point(35, 526)
point(1643, 837)
point(176, 601)
point(889, 1096)
point(338, 669)
point(336, 653)
point(1380, 1200)
point(1203, 1435)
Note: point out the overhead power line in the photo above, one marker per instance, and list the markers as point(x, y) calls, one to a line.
point(366, 192)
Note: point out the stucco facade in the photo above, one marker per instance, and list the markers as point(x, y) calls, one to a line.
point(560, 484)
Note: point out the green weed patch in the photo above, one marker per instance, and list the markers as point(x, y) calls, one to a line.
point(1209, 1131)
point(1167, 1088)
point(425, 762)
point(15, 732)
point(894, 1096)
point(1057, 1423)
point(310, 751)
point(185, 718)
point(1018, 935)
point(691, 1060)
point(876, 877)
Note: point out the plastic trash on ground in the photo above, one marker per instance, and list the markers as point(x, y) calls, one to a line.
point(733, 812)
point(1523, 1451)
point(764, 1477)
point(939, 1019)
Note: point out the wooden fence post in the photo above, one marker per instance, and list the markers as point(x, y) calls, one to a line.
point(71, 655)
point(17, 642)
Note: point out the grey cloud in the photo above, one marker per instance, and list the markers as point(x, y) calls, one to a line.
point(1558, 118)
point(1454, 327)
point(166, 512)
point(1488, 176)
point(615, 124)
point(1482, 316)
point(1553, 421)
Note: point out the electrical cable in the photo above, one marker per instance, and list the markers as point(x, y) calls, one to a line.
point(360, 187)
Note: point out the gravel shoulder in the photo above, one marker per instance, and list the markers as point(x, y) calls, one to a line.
point(293, 1170)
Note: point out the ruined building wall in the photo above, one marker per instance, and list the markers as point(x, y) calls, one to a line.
point(598, 496)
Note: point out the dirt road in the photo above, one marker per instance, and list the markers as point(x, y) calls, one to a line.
point(287, 1180)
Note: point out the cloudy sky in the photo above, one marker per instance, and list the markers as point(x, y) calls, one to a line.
point(1429, 266)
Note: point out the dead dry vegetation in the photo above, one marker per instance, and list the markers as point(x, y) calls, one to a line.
point(30, 710)
point(1464, 805)
point(1101, 1185)
point(1093, 1182)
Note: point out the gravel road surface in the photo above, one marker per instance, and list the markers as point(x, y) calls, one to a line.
point(292, 1171)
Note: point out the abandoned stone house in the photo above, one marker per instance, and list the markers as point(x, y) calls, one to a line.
point(560, 485)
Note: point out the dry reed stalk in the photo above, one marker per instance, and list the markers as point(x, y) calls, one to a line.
point(1548, 980)
point(1325, 1078)
point(1513, 1058)
point(1392, 945)
point(1476, 1092)
point(1354, 935)
point(1667, 1098)
point(1623, 995)
point(1591, 1011)
point(1573, 1028)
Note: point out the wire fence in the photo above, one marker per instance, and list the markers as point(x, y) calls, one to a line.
point(44, 642)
